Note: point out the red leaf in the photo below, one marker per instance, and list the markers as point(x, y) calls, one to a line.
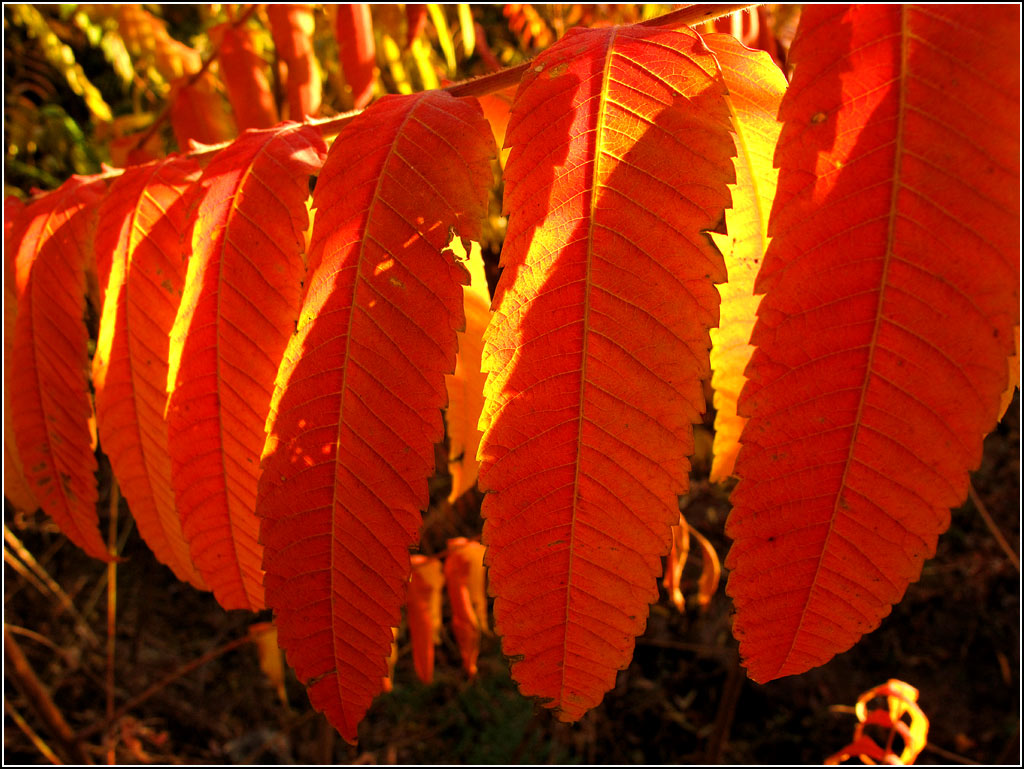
point(423, 613)
point(243, 73)
point(353, 29)
point(199, 113)
point(16, 487)
point(892, 287)
point(50, 404)
point(416, 21)
point(139, 236)
point(292, 27)
point(241, 298)
point(497, 109)
point(355, 413)
point(598, 344)
point(458, 576)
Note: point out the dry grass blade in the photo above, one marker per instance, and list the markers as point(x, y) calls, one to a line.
point(45, 583)
point(29, 732)
point(35, 692)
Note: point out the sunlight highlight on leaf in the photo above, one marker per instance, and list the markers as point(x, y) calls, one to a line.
point(466, 385)
point(756, 86)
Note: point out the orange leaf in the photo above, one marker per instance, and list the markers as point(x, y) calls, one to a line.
point(459, 578)
point(357, 404)
point(423, 613)
point(138, 238)
point(473, 552)
point(16, 487)
point(241, 298)
point(353, 29)
point(526, 24)
point(892, 290)
point(264, 635)
point(415, 20)
point(388, 683)
point(243, 73)
point(497, 109)
point(50, 405)
point(673, 579)
point(292, 27)
point(597, 345)
point(901, 699)
point(466, 385)
point(711, 570)
point(146, 36)
point(756, 86)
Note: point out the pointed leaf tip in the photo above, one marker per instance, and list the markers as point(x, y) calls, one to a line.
point(352, 427)
point(597, 345)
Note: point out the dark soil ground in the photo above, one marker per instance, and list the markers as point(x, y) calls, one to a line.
point(684, 699)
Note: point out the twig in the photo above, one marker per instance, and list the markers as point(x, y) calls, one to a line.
point(980, 507)
point(29, 732)
point(65, 601)
point(100, 589)
point(28, 683)
point(167, 680)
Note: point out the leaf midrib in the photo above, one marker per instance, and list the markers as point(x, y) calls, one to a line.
point(873, 344)
point(594, 183)
point(335, 635)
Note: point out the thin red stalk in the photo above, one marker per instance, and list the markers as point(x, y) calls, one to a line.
point(111, 610)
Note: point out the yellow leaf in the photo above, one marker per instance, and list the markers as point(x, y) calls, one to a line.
point(468, 30)
point(393, 56)
point(421, 55)
point(62, 59)
point(444, 35)
point(264, 636)
point(755, 86)
point(466, 385)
